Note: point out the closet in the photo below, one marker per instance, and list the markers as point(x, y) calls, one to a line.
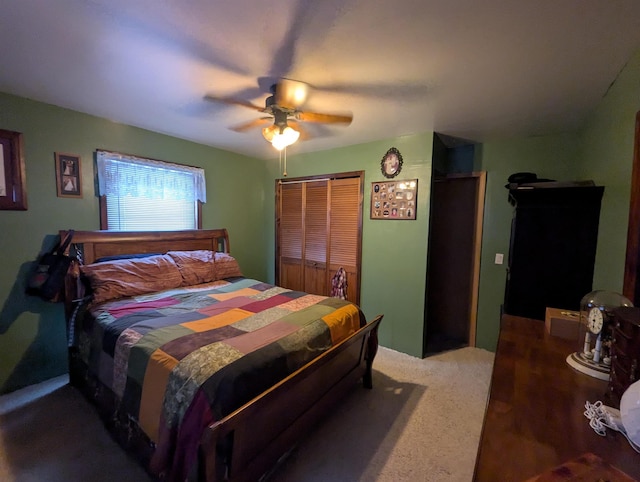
point(318, 231)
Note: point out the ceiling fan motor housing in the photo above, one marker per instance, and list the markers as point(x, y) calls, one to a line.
point(270, 102)
point(279, 117)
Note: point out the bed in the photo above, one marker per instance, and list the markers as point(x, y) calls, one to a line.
point(198, 371)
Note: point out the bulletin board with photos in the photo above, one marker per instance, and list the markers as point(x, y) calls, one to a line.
point(394, 199)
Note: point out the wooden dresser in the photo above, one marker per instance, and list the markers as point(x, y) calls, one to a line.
point(625, 352)
point(534, 419)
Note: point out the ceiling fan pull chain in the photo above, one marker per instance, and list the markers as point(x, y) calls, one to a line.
point(285, 161)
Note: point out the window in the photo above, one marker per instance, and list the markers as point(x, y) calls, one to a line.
point(138, 194)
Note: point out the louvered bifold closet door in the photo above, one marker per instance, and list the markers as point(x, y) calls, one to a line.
point(315, 238)
point(344, 241)
point(318, 231)
point(290, 237)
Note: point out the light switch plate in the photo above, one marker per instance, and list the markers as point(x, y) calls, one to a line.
point(499, 258)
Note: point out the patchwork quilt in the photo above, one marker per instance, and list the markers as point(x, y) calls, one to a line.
point(181, 359)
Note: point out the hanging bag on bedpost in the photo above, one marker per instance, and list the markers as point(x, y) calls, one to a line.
point(47, 280)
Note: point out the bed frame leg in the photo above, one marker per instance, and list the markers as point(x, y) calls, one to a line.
point(372, 349)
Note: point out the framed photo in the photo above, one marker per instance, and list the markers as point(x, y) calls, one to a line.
point(394, 199)
point(13, 184)
point(391, 163)
point(68, 175)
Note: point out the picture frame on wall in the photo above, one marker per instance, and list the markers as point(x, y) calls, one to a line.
point(391, 163)
point(13, 184)
point(394, 200)
point(68, 175)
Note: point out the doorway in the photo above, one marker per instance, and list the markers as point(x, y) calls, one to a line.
point(453, 265)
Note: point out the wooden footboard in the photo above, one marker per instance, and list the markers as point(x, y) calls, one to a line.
point(248, 442)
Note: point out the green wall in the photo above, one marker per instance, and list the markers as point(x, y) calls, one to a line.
point(394, 253)
point(32, 332)
point(607, 155)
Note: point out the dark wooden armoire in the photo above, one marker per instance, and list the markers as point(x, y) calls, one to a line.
point(554, 235)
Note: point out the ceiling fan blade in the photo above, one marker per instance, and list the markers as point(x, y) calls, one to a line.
point(404, 90)
point(324, 118)
point(291, 94)
point(245, 126)
point(231, 101)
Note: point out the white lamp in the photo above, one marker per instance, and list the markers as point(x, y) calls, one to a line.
point(280, 137)
point(285, 138)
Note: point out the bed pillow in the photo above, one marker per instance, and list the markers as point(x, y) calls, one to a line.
point(131, 277)
point(226, 266)
point(195, 266)
point(125, 256)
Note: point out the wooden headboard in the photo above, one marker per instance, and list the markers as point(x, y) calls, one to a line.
point(98, 244)
point(93, 245)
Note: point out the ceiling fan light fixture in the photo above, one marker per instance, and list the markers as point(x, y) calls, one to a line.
point(269, 132)
point(285, 138)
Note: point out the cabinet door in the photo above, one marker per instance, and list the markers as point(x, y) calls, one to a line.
point(315, 238)
point(290, 237)
point(345, 228)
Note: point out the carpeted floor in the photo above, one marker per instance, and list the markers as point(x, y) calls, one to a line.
point(421, 422)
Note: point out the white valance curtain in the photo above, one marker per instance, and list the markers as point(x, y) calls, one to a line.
point(124, 175)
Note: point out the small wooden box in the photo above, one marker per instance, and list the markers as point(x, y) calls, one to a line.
point(562, 323)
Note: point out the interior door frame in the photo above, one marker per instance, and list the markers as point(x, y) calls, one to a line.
point(631, 285)
point(481, 177)
point(477, 250)
point(482, 187)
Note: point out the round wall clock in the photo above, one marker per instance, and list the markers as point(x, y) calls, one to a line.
point(391, 163)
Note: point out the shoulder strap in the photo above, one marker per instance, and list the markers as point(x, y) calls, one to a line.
point(64, 243)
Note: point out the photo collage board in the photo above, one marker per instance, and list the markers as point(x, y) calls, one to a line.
point(394, 199)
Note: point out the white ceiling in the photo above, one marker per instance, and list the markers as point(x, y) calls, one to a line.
point(475, 69)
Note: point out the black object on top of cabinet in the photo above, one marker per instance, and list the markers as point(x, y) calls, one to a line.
point(554, 233)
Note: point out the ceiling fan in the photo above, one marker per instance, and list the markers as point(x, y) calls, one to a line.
point(283, 106)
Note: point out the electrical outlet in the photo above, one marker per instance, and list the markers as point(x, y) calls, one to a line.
point(499, 258)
